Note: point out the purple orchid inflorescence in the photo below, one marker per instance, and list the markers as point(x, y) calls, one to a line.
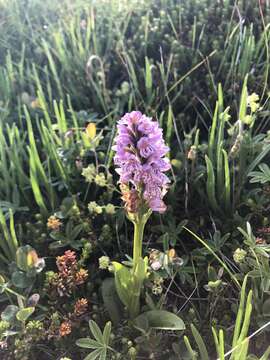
point(140, 158)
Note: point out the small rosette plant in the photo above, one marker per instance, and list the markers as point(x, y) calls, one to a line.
point(141, 163)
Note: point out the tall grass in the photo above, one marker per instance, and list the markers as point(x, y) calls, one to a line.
point(163, 57)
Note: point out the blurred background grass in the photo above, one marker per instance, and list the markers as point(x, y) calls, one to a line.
point(63, 64)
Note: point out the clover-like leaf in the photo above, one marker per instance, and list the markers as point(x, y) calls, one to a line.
point(9, 313)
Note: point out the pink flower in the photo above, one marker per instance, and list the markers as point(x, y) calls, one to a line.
point(140, 161)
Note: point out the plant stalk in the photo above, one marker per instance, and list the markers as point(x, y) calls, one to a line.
point(138, 239)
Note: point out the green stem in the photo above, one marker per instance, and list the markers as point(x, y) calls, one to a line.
point(139, 224)
point(14, 293)
point(138, 239)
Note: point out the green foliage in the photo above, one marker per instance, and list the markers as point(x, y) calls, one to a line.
point(9, 313)
point(100, 343)
point(68, 71)
point(240, 342)
point(159, 319)
point(256, 264)
point(111, 300)
point(107, 40)
point(8, 239)
point(262, 176)
point(129, 283)
point(219, 171)
point(23, 314)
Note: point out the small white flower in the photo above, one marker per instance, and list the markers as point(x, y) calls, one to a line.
point(89, 173)
point(156, 265)
point(104, 262)
point(110, 209)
